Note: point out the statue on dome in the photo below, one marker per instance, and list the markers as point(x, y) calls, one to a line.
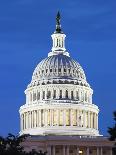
point(58, 18)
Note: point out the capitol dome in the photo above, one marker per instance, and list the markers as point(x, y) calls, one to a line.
point(59, 68)
point(59, 98)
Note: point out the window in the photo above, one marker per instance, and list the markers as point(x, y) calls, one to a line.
point(60, 93)
point(72, 95)
point(54, 96)
point(59, 70)
point(48, 94)
point(64, 70)
point(34, 96)
point(38, 95)
point(43, 94)
point(50, 70)
point(66, 93)
point(77, 95)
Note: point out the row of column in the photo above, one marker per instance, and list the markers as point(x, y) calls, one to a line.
point(66, 150)
point(59, 117)
point(84, 96)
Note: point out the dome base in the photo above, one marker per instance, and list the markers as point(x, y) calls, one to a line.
point(62, 131)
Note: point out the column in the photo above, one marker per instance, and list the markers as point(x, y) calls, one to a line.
point(26, 120)
point(101, 151)
point(34, 118)
point(91, 119)
point(63, 150)
point(83, 118)
point(52, 115)
point(88, 119)
point(71, 123)
point(87, 150)
point(49, 150)
point(29, 119)
point(67, 150)
point(40, 118)
point(111, 151)
point(54, 152)
point(77, 118)
point(21, 122)
point(97, 150)
point(64, 117)
point(57, 117)
point(77, 150)
point(97, 121)
point(45, 117)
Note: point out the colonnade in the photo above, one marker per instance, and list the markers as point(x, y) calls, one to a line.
point(41, 94)
point(66, 150)
point(59, 117)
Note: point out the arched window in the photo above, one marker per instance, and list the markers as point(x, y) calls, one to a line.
point(60, 94)
point(43, 94)
point(86, 96)
point(66, 93)
point(48, 94)
point(77, 95)
point(34, 96)
point(54, 95)
point(30, 97)
point(72, 95)
point(38, 95)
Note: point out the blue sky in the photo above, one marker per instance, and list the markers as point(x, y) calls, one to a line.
point(25, 39)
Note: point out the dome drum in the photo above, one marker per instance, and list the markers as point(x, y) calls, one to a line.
point(67, 119)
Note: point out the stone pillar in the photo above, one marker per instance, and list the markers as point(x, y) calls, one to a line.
point(40, 118)
point(88, 119)
point(71, 122)
point(57, 117)
point(26, 120)
point(45, 112)
point(97, 150)
point(87, 150)
point(67, 150)
point(49, 150)
point(91, 120)
point(101, 151)
point(77, 150)
point(111, 151)
point(63, 150)
point(97, 121)
point(34, 118)
point(84, 118)
point(77, 118)
point(64, 117)
point(29, 119)
point(54, 151)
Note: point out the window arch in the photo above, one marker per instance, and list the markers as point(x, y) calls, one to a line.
point(48, 94)
point(77, 95)
point(66, 93)
point(38, 95)
point(72, 96)
point(60, 94)
point(54, 94)
point(43, 94)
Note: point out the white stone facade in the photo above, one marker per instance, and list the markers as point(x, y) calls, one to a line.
point(59, 99)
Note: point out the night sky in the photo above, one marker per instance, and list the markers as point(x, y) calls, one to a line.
point(25, 39)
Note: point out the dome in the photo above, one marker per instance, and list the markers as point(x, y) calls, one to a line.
point(59, 67)
point(58, 98)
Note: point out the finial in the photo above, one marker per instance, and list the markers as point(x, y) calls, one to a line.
point(58, 26)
